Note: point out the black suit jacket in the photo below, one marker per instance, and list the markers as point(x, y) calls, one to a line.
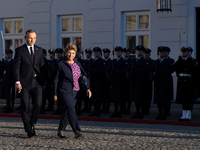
point(63, 81)
point(24, 67)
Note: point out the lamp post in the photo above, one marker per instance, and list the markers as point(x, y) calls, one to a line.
point(164, 5)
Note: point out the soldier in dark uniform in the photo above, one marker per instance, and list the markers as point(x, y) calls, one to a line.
point(172, 62)
point(137, 73)
point(86, 66)
point(96, 81)
point(52, 68)
point(116, 73)
point(127, 103)
point(147, 54)
point(78, 55)
point(197, 70)
point(44, 72)
point(106, 82)
point(59, 55)
point(8, 85)
point(185, 69)
point(160, 72)
point(81, 94)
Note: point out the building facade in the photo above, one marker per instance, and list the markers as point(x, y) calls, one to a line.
point(103, 23)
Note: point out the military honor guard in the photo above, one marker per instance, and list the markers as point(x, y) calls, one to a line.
point(8, 85)
point(106, 82)
point(147, 57)
point(160, 72)
point(137, 73)
point(96, 82)
point(117, 76)
point(185, 69)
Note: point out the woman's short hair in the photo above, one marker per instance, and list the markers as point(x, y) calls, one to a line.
point(70, 46)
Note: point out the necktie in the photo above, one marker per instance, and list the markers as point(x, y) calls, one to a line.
point(32, 55)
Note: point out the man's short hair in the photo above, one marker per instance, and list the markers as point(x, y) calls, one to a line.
point(30, 31)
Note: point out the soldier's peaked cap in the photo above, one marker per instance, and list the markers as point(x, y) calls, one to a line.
point(9, 51)
point(96, 49)
point(59, 50)
point(106, 50)
point(118, 48)
point(139, 47)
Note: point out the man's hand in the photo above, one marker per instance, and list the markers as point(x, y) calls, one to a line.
point(19, 87)
point(55, 99)
point(89, 93)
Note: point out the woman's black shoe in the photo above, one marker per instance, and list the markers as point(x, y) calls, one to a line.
point(59, 135)
point(77, 135)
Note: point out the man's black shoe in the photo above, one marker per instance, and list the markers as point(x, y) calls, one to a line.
point(77, 135)
point(33, 130)
point(29, 135)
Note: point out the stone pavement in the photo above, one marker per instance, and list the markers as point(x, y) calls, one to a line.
point(99, 135)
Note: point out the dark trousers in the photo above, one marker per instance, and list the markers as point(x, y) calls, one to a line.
point(69, 112)
point(35, 91)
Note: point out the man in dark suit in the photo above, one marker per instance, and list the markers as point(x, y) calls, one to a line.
point(8, 86)
point(27, 63)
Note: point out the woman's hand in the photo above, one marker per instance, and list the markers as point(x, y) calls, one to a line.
point(89, 93)
point(55, 99)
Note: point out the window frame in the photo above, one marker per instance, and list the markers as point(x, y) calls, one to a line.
point(135, 32)
point(69, 34)
point(13, 36)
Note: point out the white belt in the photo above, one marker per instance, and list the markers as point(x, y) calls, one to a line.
point(184, 75)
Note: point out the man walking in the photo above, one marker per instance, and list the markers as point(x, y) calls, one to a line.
point(27, 63)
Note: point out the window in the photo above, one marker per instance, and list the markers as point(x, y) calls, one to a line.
point(71, 30)
point(136, 30)
point(13, 33)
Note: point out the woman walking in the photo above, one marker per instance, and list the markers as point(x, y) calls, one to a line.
point(68, 81)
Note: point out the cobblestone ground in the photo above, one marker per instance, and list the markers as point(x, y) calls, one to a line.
point(99, 135)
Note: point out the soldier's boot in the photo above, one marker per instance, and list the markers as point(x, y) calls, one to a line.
point(183, 117)
point(188, 115)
